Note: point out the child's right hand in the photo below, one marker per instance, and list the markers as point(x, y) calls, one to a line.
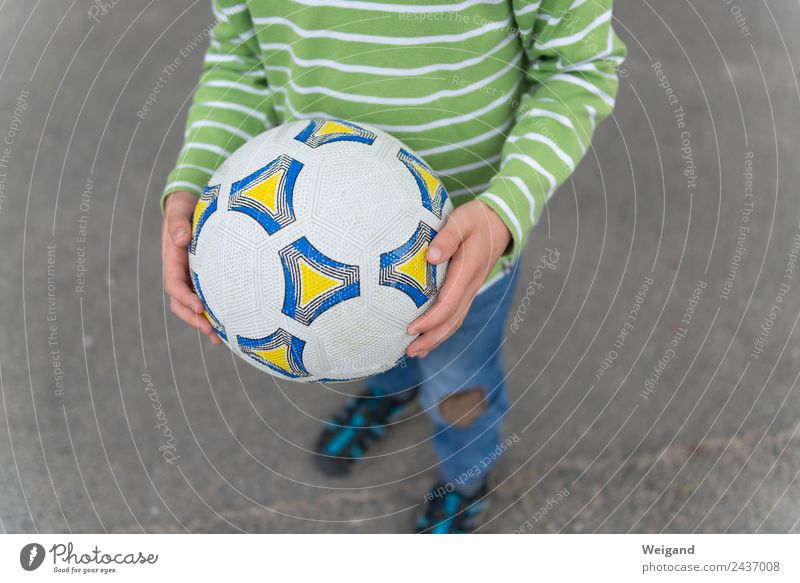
point(175, 236)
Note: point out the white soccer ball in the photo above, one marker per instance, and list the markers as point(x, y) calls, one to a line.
point(308, 249)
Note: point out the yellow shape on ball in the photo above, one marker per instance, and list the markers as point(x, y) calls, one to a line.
point(277, 356)
point(266, 192)
point(416, 267)
point(431, 182)
point(313, 283)
point(332, 127)
point(199, 209)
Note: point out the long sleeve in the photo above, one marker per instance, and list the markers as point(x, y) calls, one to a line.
point(231, 103)
point(573, 54)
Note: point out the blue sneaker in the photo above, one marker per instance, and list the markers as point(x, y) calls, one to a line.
point(359, 424)
point(450, 512)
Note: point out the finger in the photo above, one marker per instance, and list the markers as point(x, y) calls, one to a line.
point(176, 281)
point(196, 321)
point(448, 240)
point(213, 336)
point(431, 339)
point(425, 343)
point(178, 216)
point(180, 292)
point(191, 318)
point(460, 275)
point(176, 277)
point(179, 229)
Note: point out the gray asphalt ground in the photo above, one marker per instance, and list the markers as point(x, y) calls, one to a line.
point(706, 441)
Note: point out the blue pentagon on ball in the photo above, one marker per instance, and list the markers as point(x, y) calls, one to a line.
point(407, 269)
point(314, 282)
point(266, 194)
point(430, 187)
point(319, 132)
point(280, 351)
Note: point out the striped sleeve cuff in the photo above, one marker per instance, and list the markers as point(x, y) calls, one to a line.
point(185, 178)
point(518, 201)
point(507, 206)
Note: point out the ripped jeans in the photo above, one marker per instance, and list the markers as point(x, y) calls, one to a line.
point(462, 387)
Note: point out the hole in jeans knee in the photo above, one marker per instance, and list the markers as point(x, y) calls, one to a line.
point(463, 408)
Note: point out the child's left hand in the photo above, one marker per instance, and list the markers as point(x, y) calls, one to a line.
point(473, 238)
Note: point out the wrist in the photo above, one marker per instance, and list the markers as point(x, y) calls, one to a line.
point(181, 202)
point(499, 232)
point(502, 210)
point(182, 195)
point(187, 190)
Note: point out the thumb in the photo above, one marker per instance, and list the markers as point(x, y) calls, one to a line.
point(179, 229)
point(179, 211)
point(448, 240)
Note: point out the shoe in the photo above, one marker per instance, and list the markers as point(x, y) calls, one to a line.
point(447, 511)
point(359, 424)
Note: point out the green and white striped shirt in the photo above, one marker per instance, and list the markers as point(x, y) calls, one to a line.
point(500, 97)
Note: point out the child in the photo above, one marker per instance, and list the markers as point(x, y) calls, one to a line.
point(500, 97)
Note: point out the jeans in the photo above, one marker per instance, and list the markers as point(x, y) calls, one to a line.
point(471, 358)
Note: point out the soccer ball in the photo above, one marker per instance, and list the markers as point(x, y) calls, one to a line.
point(308, 249)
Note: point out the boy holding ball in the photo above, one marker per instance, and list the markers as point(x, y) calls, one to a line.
point(500, 97)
